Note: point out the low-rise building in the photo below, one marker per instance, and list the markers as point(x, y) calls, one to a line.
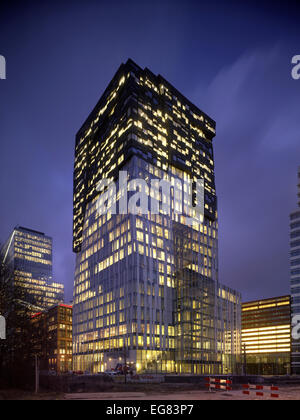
point(266, 336)
point(52, 338)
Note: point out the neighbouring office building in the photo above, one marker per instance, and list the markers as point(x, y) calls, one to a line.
point(266, 336)
point(28, 255)
point(146, 285)
point(295, 278)
point(52, 338)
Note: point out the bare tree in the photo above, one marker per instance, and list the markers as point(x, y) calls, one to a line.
point(15, 350)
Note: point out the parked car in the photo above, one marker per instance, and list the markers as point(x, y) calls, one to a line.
point(87, 372)
point(52, 373)
point(111, 372)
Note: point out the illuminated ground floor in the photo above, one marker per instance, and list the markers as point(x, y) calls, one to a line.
point(268, 364)
point(154, 361)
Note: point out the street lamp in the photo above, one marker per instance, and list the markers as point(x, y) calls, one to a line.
point(37, 374)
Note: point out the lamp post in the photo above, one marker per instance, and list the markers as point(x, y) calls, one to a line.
point(125, 367)
point(244, 360)
point(125, 349)
point(37, 374)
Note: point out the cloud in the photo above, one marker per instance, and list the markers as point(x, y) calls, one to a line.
point(255, 103)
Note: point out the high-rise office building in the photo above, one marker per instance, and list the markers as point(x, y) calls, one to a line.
point(146, 285)
point(266, 336)
point(28, 254)
point(295, 277)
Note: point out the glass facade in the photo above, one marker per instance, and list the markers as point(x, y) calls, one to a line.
point(146, 286)
point(28, 254)
point(295, 278)
point(266, 336)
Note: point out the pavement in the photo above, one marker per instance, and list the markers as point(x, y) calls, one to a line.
point(287, 393)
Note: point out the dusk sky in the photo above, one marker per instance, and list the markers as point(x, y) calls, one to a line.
point(231, 58)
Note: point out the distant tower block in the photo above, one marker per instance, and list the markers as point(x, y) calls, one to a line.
point(28, 256)
point(295, 277)
point(299, 186)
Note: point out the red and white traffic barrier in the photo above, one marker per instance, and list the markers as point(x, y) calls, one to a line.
point(261, 390)
point(221, 384)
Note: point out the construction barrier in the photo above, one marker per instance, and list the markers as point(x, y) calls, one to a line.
point(261, 390)
point(218, 384)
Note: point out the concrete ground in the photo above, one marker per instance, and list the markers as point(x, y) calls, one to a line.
point(287, 393)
